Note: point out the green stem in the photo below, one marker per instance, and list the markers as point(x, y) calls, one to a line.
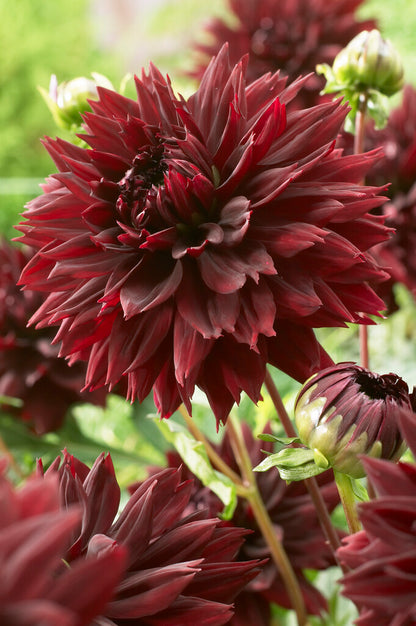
point(346, 494)
point(358, 149)
point(311, 483)
point(264, 522)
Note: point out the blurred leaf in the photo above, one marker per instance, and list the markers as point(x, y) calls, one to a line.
point(193, 453)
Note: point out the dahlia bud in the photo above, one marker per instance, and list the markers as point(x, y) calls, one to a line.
point(345, 411)
point(69, 100)
point(369, 62)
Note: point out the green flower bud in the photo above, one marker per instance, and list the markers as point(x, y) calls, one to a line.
point(345, 411)
point(69, 100)
point(369, 62)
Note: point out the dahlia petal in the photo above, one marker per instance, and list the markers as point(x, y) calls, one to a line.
point(234, 220)
point(166, 393)
point(287, 240)
point(225, 272)
point(189, 350)
point(148, 287)
point(257, 315)
point(154, 590)
point(207, 312)
point(296, 351)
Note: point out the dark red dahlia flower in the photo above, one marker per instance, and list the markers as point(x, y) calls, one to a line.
point(30, 369)
point(398, 168)
point(288, 35)
point(382, 556)
point(180, 569)
point(36, 586)
point(293, 516)
point(197, 240)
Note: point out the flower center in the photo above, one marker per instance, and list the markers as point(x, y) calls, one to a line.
point(141, 179)
point(381, 387)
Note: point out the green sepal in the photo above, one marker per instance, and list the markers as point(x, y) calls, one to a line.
point(280, 442)
point(194, 455)
point(293, 464)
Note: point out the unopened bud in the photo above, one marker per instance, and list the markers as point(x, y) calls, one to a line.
point(345, 411)
point(69, 100)
point(369, 62)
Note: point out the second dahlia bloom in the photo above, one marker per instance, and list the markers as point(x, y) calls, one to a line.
point(181, 568)
point(382, 557)
point(288, 35)
point(294, 519)
point(398, 168)
point(36, 586)
point(196, 240)
point(30, 369)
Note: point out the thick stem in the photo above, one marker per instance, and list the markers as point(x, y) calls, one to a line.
point(311, 483)
point(358, 149)
point(265, 524)
point(346, 494)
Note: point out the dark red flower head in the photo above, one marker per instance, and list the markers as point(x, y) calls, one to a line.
point(196, 240)
point(288, 35)
point(295, 521)
point(382, 556)
point(180, 569)
point(398, 140)
point(36, 586)
point(30, 369)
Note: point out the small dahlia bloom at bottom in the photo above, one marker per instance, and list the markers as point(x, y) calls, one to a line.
point(37, 587)
point(180, 569)
point(382, 557)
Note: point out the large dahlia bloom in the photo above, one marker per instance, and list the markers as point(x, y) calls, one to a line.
point(180, 569)
point(36, 586)
point(382, 557)
point(294, 519)
point(288, 35)
point(196, 240)
point(30, 369)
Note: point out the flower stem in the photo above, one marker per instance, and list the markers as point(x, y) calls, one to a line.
point(358, 149)
point(264, 522)
point(346, 493)
point(311, 483)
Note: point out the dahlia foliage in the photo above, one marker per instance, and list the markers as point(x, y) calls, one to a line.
point(293, 36)
point(30, 370)
point(196, 240)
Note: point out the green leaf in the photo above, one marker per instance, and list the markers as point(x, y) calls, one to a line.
point(360, 492)
point(194, 455)
point(293, 464)
point(284, 441)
